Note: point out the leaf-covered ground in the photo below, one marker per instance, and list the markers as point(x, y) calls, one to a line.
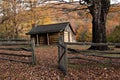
point(47, 68)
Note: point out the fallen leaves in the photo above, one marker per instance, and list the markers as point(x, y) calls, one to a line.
point(47, 68)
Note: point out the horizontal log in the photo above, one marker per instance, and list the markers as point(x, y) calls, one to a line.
point(94, 60)
point(28, 62)
point(16, 49)
point(98, 55)
point(13, 44)
point(110, 57)
point(93, 44)
point(106, 55)
point(11, 54)
point(14, 40)
point(94, 51)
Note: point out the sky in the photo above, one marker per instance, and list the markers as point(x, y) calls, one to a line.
point(112, 1)
point(115, 1)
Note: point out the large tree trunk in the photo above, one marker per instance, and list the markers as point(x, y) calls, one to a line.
point(99, 11)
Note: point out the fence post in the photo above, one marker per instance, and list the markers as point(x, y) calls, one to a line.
point(33, 52)
point(62, 56)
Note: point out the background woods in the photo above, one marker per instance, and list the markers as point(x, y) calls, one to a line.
point(17, 17)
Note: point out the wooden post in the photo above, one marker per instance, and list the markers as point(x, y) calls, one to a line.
point(37, 36)
point(48, 39)
point(64, 60)
point(68, 36)
point(62, 56)
point(33, 52)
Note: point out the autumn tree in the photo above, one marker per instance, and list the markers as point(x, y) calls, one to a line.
point(98, 10)
point(10, 21)
point(6, 14)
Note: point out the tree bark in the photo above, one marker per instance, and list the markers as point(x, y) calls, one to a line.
point(99, 11)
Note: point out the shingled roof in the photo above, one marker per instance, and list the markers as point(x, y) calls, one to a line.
point(49, 28)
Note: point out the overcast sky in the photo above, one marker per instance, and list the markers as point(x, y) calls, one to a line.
point(115, 1)
point(112, 1)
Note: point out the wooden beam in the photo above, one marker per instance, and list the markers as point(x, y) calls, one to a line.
point(48, 41)
point(94, 60)
point(16, 40)
point(68, 36)
point(33, 52)
point(93, 44)
point(11, 54)
point(11, 44)
point(37, 36)
point(29, 62)
point(16, 49)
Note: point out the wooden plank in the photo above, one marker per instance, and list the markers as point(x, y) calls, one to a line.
point(43, 39)
point(33, 52)
point(93, 44)
point(11, 54)
point(93, 51)
point(14, 40)
point(16, 49)
point(96, 54)
point(13, 44)
point(37, 40)
point(16, 60)
point(48, 41)
point(94, 60)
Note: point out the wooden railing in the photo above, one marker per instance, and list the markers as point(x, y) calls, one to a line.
point(10, 49)
point(113, 56)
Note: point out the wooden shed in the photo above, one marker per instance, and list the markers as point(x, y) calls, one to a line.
point(49, 34)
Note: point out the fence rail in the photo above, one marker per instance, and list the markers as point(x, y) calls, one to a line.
point(18, 45)
point(14, 40)
point(92, 44)
point(64, 50)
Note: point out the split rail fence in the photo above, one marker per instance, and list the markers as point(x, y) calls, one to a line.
point(110, 56)
point(18, 50)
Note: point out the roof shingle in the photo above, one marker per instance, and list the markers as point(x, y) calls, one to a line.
point(49, 28)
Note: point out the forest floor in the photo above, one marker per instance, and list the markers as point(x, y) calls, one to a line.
point(46, 68)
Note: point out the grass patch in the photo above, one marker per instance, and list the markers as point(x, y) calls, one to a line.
point(85, 66)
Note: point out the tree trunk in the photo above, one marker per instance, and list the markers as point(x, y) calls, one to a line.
point(99, 11)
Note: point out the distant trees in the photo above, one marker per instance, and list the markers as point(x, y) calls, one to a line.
point(17, 17)
point(84, 32)
point(10, 20)
point(14, 17)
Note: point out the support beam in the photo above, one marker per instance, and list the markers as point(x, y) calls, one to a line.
point(68, 36)
point(48, 41)
point(37, 36)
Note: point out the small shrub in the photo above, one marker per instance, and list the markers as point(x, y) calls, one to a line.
point(115, 35)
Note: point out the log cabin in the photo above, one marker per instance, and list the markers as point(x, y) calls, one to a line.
point(49, 34)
